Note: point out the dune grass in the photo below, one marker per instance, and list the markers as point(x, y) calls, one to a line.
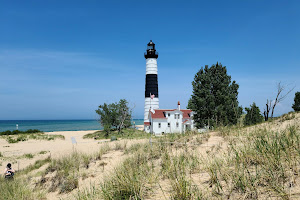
point(18, 189)
point(261, 164)
point(30, 136)
point(66, 170)
point(128, 133)
point(257, 163)
point(37, 164)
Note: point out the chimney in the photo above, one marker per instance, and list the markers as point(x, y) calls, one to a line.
point(178, 105)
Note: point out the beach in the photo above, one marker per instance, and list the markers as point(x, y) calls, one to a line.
point(14, 152)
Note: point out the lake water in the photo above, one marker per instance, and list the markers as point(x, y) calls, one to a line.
point(55, 125)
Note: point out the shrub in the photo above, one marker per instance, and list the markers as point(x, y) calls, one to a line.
point(11, 140)
point(43, 152)
point(28, 155)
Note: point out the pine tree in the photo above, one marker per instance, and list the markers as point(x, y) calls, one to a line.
point(296, 105)
point(253, 115)
point(214, 98)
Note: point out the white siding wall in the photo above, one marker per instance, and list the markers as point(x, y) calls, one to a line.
point(164, 126)
point(173, 121)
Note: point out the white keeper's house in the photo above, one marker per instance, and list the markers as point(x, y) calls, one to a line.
point(170, 120)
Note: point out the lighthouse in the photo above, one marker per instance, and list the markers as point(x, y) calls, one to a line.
point(151, 84)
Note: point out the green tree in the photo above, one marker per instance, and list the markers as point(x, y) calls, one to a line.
point(296, 105)
point(253, 115)
point(115, 115)
point(214, 98)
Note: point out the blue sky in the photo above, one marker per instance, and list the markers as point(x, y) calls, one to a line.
point(61, 59)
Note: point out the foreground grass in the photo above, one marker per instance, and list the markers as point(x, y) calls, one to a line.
point(260, 164)
point(66, 170)
point(18, 189)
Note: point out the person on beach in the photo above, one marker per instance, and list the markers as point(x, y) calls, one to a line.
point(9, 171)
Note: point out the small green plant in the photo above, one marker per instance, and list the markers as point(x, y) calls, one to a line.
point(28, 155)
point(11, 140)
point(43, 152)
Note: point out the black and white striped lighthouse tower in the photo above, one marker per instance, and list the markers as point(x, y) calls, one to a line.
point(151, 84)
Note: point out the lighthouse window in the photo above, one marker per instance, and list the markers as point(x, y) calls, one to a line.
point(159, 125)
point(168, 114)
point(177, 124)
point(169, 125)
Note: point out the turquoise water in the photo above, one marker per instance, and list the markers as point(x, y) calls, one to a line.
point(54, 125)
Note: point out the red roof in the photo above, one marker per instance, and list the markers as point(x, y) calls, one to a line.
point(161, 114)
point(186, 113)
point(147, 123)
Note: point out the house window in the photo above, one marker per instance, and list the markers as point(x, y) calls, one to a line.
point(169, 125)
point(177, 124)
point(168, 114)
point(159, 125)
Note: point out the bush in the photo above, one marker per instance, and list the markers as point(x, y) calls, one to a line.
point(11, 140)
point(28, 155)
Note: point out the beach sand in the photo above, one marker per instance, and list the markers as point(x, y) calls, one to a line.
point(14, 152)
